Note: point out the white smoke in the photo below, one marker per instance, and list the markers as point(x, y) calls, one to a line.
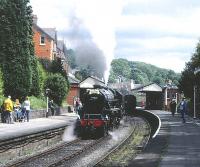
point(98, 17)
point(69, 133)
point(115, 135)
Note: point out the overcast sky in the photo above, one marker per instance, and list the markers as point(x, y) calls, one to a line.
point(160, 32)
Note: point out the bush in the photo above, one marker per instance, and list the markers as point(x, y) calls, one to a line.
point(1, 83)
point(58, 88)
point(37, 103)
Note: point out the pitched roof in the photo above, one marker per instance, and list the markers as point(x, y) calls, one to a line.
point(42, 30)
point(73, 80)
point(90, 81)
point(152, 87)
point(51, 32)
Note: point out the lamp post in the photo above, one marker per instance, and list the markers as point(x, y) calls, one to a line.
point(47, 94)
point(197, 70)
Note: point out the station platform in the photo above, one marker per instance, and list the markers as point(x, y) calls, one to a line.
point(18, 129)
point(176, 145)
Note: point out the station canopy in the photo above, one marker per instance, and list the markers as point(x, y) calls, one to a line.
point(153, 87)
point(90, 82)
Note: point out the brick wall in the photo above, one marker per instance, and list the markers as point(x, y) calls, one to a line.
point(42, 51)
point(73, 92)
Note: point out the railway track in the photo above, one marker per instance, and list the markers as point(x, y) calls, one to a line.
point(56, 156)
point(67, 152)
point(114, 150)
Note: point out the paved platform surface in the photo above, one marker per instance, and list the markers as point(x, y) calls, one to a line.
point(9, 131)
point(176, 145)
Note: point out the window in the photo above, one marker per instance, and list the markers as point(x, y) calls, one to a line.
point(42, 40)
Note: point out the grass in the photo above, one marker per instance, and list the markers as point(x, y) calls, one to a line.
point(127, 152)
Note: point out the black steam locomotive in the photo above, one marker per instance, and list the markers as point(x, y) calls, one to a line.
point(102, 110)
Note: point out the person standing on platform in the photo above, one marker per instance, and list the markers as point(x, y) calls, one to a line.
point(173, 107)
point(27, 107)
point(76, 105)
point(183, 109)
point(8, 109)
point(52, 108)
point(17, 107)
point(3, 119)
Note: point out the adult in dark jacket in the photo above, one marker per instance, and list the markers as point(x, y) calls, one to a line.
point(173, 107)
point(183, 108)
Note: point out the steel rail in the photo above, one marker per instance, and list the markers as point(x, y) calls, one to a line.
point(33, 157)
point(122, 143)
point(76, 153)
point(23, 140)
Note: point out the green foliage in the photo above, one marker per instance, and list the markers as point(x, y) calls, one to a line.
point(39, 75)
point(121, 67)
point(84, 72)
point(58, 88)
point(140, 72)
point(46, 64)
point(71, 58)
point(16, 46)
point(42, 76)
point(1, 83)
point(56, 67)
point(37, 102)
point(112, 77)
point(35, 86)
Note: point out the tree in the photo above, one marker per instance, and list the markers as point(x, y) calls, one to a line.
point(188, 79)
point(16, 46)
point(121, 67)
point(58, 88)
point(140, 72)
point(46, 64)
point(35, 85)
point(84, 72)
point(56, 67)
point(1, 83)
point(71, 58)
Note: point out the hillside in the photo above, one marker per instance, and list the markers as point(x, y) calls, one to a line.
point(141, 72)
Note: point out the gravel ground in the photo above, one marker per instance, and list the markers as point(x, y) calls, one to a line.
point(128, 151)
point(91, 156)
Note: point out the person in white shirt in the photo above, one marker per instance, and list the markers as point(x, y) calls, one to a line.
point(27, 107)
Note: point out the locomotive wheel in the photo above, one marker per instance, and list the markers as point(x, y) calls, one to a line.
point(102, 131)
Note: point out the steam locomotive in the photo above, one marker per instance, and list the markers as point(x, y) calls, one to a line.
point(102, 110)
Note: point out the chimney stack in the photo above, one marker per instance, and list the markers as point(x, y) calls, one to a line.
point(35, 19)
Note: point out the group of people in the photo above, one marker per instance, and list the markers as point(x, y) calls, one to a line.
point(16, 111)
point(182, 108)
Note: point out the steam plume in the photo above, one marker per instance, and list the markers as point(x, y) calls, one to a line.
point(92, 33)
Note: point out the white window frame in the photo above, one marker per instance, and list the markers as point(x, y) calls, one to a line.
point(41, 40)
